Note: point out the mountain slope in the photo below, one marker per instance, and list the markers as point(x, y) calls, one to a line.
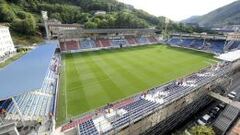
point(227, 15)
point(192, 19)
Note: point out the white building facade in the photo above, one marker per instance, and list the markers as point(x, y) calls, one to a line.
point(6, 43)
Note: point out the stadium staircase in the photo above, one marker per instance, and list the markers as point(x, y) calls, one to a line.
point(228, 45)
point(234, 45)
point(63, 47)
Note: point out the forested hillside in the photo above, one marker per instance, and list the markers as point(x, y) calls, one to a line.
point(23, 15)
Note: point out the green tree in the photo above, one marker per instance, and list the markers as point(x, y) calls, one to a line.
point(6, 13)
point(202, 130)
point(90, 25)
point(25, 26)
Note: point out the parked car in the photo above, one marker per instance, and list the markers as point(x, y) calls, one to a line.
point(221, 105)
point(205, 119)
point(216, 108)
point(214, 111)
point(232, 95)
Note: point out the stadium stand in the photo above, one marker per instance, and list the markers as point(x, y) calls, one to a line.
point(63, 47)
point(152, 39)
point(39, 103)
point(72, 45)
point(105, 38)
point(132, 41)
point(105, 42)
point(234, 45)
point(29, 94)
point(4, 104)
point(197, 44)
point(142, 40)
point(216, 46)
point(186, 42)
point(119, 42)
point(118, 115)
point(210, 43)
point(88, 127)
point(174, 41)
point(98, 43)
point(87, 44)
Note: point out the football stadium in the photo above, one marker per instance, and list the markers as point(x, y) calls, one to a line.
point(112, 73)
point(121, 81)
point(135, 71)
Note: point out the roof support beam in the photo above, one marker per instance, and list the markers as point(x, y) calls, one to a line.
point(18, 110)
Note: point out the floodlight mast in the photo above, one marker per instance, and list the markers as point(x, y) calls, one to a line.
point(45, 19)
point(165, 34)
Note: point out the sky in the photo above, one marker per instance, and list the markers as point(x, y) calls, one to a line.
point(177, 10)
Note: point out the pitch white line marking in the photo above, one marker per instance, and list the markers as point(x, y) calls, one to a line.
point(214, 60)
point(65, 91)
point(208, 62)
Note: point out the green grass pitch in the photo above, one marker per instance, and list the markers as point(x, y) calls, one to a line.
point(93, 79)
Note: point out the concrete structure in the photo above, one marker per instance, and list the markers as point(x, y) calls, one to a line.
point(53, 27)
point(6, 43)
point(97, 13)
point(230, 56)
point(234, 36)
point(225, 120)
point(9, 129)
point(103, 33)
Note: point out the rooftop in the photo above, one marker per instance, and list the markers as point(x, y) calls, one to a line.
point(27, 73)
point(230, 56)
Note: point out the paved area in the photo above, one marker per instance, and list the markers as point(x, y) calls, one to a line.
point(236, 129)
point(225, 99)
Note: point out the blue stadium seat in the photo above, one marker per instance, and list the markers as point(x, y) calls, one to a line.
point(87, 44)
point(5, 103)
point(119, 42)
point(235, 45)
point(216, 46)
point(186, 42)
point(142, 40)
point(174, 41)
point(88, 128)
point(197, 43)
